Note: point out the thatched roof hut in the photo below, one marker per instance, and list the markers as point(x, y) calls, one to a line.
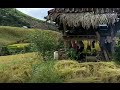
point(87, 22)
point(83, 17)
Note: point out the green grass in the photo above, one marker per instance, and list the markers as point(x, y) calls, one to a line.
point(10, 35)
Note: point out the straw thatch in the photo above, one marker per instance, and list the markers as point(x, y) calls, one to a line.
point(83, 17)
point(81, 10)
point(86, 20)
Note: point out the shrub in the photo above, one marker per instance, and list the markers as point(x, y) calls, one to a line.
point(117, 54)
point(45, 42)
point(4, 51)
point(71, 53)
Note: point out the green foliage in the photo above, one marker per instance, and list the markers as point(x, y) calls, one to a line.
point(45, 73)
point(117, 54)
point(45, 42)
point(71, 53)
point(4, 51)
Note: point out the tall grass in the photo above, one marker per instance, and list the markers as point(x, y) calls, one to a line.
point(17, 68)
point(45, 73)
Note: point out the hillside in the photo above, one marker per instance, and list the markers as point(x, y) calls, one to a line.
point(13, 17)
point(9, 35)
point(12, 35)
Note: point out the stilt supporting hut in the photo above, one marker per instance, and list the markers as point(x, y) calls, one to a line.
point(88, 23)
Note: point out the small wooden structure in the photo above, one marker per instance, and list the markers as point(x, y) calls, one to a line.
point(99, 24)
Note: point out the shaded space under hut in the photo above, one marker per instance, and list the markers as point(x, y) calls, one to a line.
point(91, 24)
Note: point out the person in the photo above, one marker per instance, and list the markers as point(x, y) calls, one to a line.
point(93, 44)
point(74, 44)
point(81, 46)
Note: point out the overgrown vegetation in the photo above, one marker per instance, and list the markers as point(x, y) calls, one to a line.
point(45, 73)
point(45, 43)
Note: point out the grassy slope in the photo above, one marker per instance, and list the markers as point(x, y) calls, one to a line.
point(13, 17)
point(9, 35)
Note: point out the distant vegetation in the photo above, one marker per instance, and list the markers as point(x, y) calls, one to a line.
point(13, 17)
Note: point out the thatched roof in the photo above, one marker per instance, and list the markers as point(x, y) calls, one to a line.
point(81, 10)
point(84, 17)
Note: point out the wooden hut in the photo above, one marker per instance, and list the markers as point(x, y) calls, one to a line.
point(88, 23)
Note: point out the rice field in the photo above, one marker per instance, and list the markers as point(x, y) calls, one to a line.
point(17, 68)
point(88, 72)
point(28, 68)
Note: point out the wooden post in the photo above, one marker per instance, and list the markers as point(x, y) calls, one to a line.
point(65, 45)
point(101, 44)
point(113, 42)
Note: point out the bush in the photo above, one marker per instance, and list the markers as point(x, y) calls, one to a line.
point(45, 42)
point(4, 51)
point(71, 53)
